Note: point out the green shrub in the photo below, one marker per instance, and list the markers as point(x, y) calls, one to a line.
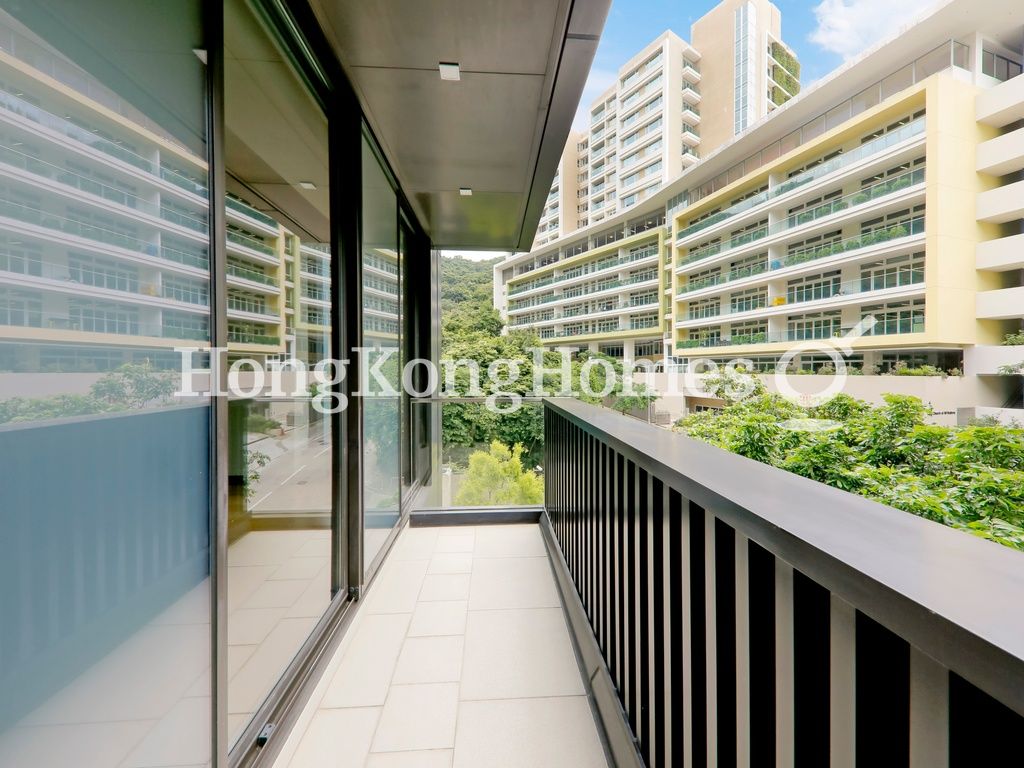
point(1014, 339)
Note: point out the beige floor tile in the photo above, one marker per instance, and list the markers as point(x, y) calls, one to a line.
point(451, 562)
point(89, 745)
point(182, 737)
point(316, 547)
point(397, 587)
point(300, 568)
point(250, 626)
point(275, 594)
point(316, 597)
point(192, 608)
point(418, 717)
point(259, 673)
point(518, 653)
point(365, 671)
point(126, 684)
point(266, 547)
point(455, 540)
point(445, 586)
point(509, 541)
point(415, 544)
point(429, 660)
point(512, 582)
point(539, 733)
point(336, 738)
point(447, 617)
point(243, 580)
point(432, 758)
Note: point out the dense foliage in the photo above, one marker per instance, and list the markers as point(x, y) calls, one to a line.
point(497, 476)
point(133, 385)
point(471, 330)
point(970, 478)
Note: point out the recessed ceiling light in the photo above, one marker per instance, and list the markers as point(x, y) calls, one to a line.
point(307, 185)
point(449, 70)
point(465, 191)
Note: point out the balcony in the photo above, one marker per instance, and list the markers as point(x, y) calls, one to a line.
point(1003, 204)
point(1002, 104)
point(769, 616)
point(1000, 255)
point(1001, 304)
point(910, 134)
point(814, 298)
point(897, 190)
point(461, 655)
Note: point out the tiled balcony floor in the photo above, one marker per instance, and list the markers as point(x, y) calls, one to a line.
point(459, 656)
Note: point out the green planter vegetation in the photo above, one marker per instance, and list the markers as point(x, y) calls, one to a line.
point(970, 478)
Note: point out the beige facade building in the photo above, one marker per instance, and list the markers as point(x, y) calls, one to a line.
point(889, 194)
point(761, 74)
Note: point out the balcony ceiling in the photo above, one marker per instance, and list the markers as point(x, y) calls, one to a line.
point(500, 130)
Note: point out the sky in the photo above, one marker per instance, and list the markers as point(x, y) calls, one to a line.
point(824, 33)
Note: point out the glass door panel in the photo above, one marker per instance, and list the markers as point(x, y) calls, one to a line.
point(280, 306)
point(382, 323)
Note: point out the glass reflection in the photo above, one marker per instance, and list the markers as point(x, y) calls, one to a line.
point(279, 301)
point(104, 269)
point(382, 286)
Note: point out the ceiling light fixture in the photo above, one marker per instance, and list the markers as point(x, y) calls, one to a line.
point(466, 191)
point(307, 185)
point(449, 70)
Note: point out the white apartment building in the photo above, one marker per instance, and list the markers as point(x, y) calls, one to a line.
point(104, 245)
point(668, 107)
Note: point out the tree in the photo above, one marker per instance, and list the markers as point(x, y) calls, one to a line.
point(134, 385)
point(497, 476)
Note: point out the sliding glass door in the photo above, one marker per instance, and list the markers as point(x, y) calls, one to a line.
point(381, 358)
point(105, 605)
point(280, 305)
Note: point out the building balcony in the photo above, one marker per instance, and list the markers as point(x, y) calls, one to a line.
point(251, 248)
point(37, 223)
point(877, 154)
point(639, 258)
point(1001, 205)
point(1002, 104)
point(857, 248)
point(1001, 155)
point(690, 115)
point(1001, 255)
point(245, 215)
point(850, 293)
point(988, 359)
point(691, 72)
point(873, 201)
point(690, 94)
point(1001, 304)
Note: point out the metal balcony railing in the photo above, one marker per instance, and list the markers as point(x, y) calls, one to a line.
point(732, 609)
